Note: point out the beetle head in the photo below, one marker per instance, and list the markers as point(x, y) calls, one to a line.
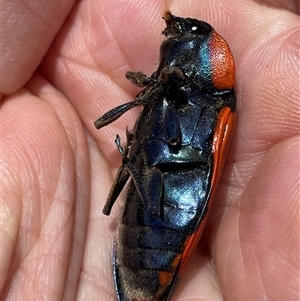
point(177, 26)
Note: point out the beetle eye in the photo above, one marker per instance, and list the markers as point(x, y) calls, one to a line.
point(200, 28)
point(197, 28)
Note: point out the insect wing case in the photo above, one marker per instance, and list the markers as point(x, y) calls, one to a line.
point(173, 157)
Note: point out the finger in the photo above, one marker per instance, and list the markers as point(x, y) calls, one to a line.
point(45, 193)
point(258, 236)
point(291, 5)
point(28, 29)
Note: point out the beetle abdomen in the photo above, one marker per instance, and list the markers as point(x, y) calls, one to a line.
point(149, 250)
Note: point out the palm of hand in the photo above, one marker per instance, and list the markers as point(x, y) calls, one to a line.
point(57, 170)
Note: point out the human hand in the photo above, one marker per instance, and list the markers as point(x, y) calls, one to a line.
point(57, 169)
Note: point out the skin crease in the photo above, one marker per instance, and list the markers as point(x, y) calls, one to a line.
point(57, 169)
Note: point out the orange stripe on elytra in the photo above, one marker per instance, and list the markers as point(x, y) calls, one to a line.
point(222, 136)
point(221, 62)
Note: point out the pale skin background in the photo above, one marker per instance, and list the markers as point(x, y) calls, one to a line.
point(62, 66)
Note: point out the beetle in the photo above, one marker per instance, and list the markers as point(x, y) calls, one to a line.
point(173, 156)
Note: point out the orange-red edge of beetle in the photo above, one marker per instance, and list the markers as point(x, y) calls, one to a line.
point(222, 137)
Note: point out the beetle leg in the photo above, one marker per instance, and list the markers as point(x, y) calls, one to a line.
point(154, 191)
point(119, 183)
point(129, 167)
point(114, 114)
point(171, 75)
point(141, 99)
point(120, 148)
point(150, 193)
point(171, 126)
point(121, 177)
point(139, 78)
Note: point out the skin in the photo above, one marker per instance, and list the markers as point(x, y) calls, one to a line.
point(58, 76)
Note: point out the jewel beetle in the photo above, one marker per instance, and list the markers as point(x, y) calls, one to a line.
point(173, 158)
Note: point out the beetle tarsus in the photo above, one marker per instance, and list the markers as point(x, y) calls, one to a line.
point(138, 79)
point(119, 146)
